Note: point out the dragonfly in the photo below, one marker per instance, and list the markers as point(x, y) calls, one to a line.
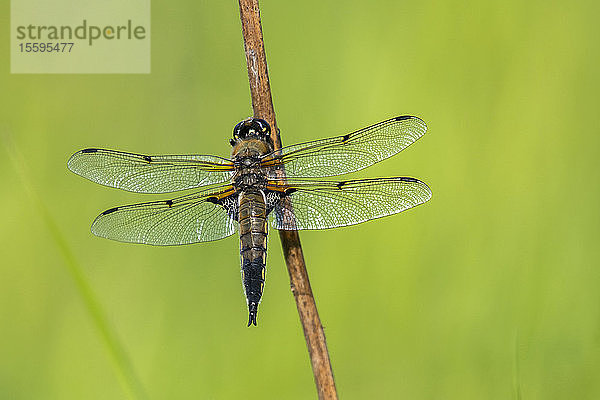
point(256, 187)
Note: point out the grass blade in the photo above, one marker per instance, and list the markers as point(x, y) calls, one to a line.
point(123, 365)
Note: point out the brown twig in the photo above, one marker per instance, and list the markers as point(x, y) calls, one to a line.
point(262, 105)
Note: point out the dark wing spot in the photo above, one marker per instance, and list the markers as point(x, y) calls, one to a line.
point(148, 158)
point(169, 203)
point(110, 210)
point(345, 137)
point(403, 117)
point(290, 191)
point(340, 184)
point(89, 150)
point(213, 200)
point(407, 179)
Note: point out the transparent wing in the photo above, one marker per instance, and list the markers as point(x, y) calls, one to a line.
point(149, 174)
point(198, 217)
point(348, 153)
point(328, 204)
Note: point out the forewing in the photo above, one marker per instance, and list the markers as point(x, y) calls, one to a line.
point(328, 204)
point(198, 217)
point(149, 174)
point(348, 153)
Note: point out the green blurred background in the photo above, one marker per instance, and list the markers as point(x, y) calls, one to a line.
point(489, 291)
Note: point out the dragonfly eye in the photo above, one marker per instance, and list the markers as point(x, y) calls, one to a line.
point(262, 127)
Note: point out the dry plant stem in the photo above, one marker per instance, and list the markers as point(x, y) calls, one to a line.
point(262, 106)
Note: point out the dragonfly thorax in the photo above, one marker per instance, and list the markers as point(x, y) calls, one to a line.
point(250, 179)
point(249, 151)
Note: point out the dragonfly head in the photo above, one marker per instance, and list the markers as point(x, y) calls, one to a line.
point(251, 128)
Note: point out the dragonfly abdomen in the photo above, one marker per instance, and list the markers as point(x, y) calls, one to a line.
point(253, 248)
